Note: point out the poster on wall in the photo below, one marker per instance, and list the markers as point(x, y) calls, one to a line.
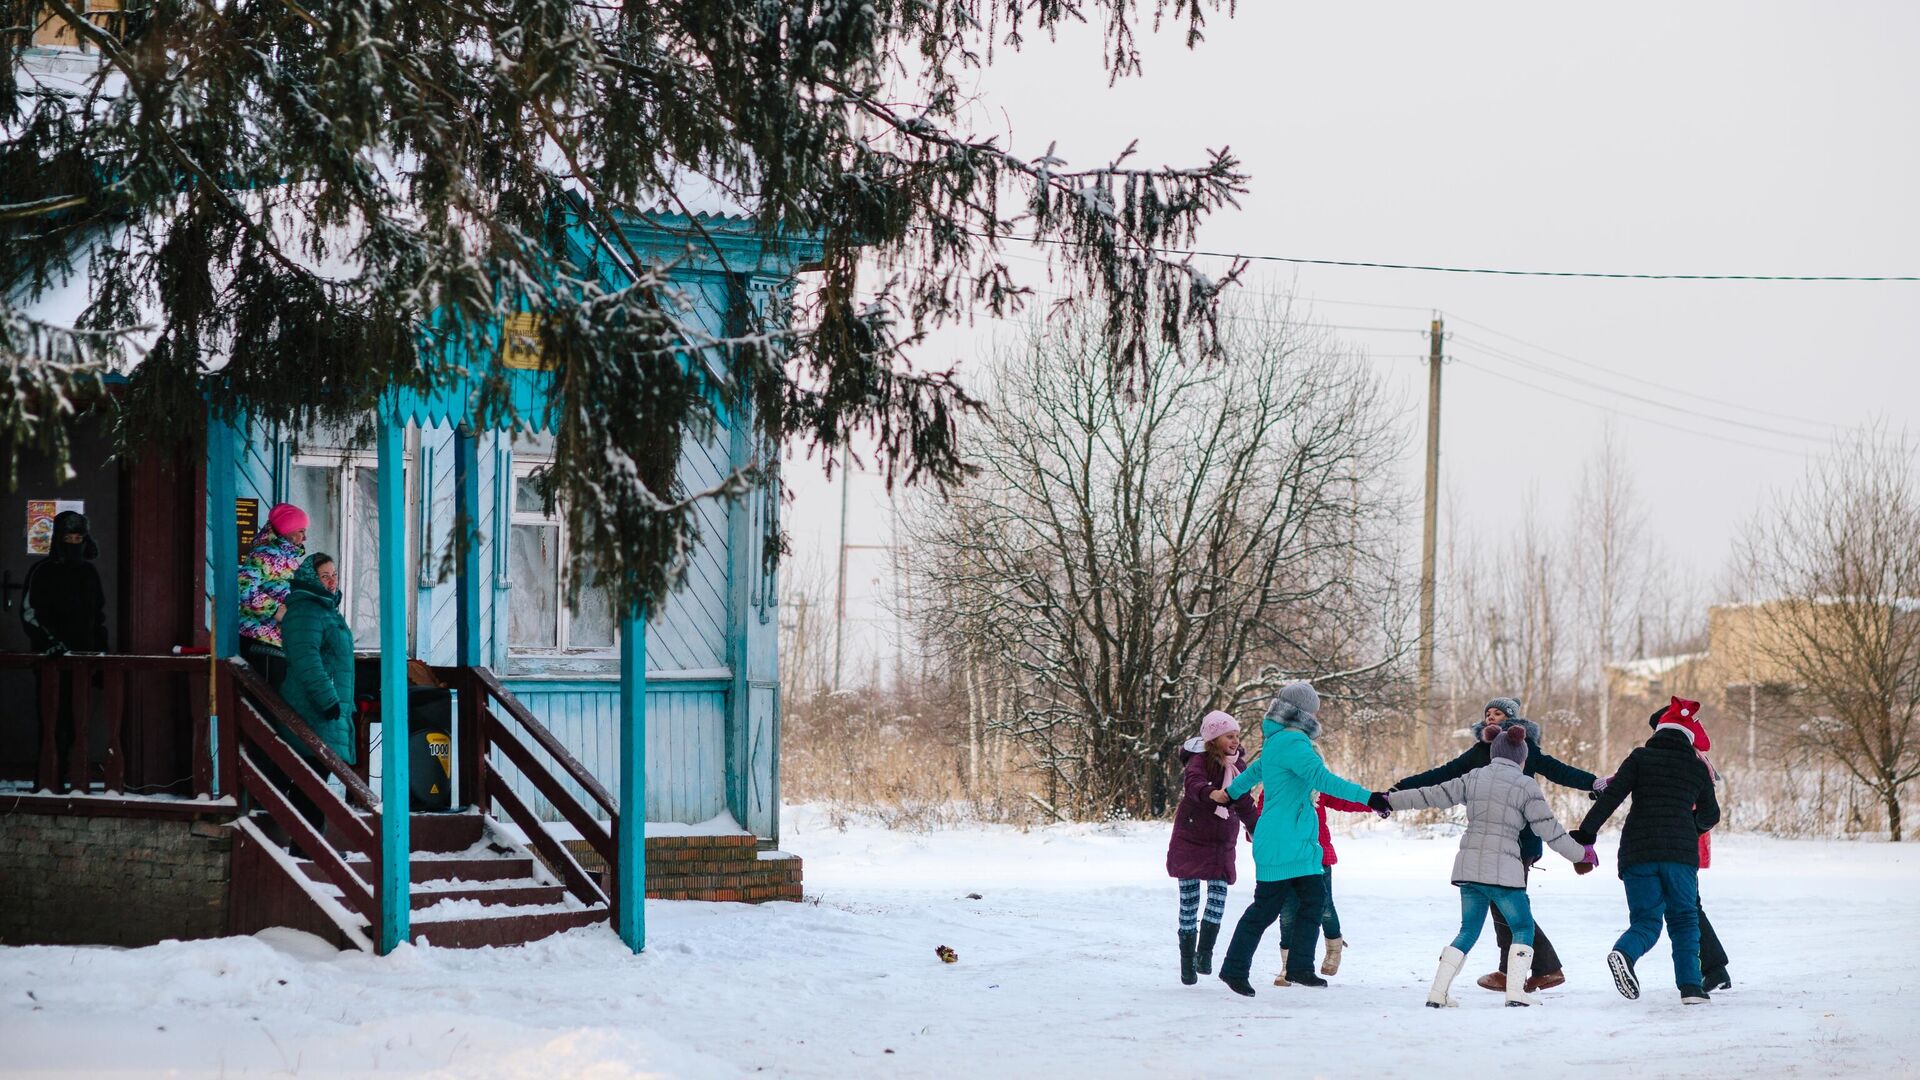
point(40, 515)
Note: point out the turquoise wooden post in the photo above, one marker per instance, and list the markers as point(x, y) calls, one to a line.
point(630, 886)
point(223, 544)
point(466, 523)
point(395, 827)
point(741, 568)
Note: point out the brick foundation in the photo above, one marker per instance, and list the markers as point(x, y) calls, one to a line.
point(709, 868)
point(94, 880)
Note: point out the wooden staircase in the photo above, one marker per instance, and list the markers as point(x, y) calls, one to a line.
point(473, 883)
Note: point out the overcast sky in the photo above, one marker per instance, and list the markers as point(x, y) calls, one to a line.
point(1737, 138)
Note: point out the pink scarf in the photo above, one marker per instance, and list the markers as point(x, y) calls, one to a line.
point(1232, 770)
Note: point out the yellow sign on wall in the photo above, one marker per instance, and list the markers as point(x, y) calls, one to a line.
point(520, 343)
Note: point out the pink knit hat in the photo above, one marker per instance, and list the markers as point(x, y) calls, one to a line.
point(286, 518)
point(1215, 724)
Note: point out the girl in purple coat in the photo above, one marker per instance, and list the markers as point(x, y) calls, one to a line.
point(1206, 830)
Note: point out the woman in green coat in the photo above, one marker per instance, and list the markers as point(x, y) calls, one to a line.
point(319, 680)
point(1286, 843)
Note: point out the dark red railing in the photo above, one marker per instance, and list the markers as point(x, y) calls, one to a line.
point(483, 701)
point(125, 686)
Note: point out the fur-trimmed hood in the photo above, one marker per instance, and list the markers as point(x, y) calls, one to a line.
point(1532, 729)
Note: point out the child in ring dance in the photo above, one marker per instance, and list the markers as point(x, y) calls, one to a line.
point(1206, 834)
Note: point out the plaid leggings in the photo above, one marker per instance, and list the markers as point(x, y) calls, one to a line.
point(1190, 902)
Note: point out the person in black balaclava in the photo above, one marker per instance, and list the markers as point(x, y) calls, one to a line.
point(65, 610)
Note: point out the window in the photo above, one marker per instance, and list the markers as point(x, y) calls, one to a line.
point(542, 569)
point(340, 495)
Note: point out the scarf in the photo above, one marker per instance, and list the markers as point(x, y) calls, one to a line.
point(1232, 770)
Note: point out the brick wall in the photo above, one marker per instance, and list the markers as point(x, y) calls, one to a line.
point(709, 868)
point(81, 880)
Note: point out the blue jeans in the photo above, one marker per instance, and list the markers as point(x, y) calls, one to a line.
point(1512, 904)
point(1669, 891)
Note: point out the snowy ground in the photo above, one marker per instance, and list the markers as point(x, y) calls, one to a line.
point(1066, 969)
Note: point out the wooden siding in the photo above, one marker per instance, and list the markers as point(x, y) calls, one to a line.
point(686, 754)
point(689, 633)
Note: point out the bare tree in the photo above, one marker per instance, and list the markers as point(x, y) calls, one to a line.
point(1130, 555)
point(1837, 562)
point(1610, 562)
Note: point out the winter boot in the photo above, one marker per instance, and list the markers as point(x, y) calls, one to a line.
point(1545, 982)
point(1519, 960)
point(1187, 941)
point(1203, 953)
point(1281, 979)
point(1717, 979)
point(1693, 995)
point(1623, 977)
point(1331, 965)
point(1238, 984)
point(1451, 961)
point(1306, 978)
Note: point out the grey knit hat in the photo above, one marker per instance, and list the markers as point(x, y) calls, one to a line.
point(1509, 743)
point(1301, 695)
point(1506, 705)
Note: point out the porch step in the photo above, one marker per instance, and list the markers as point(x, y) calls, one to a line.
point(506, 928)
point(441, 869)
point(436, 833)
point(524, 892)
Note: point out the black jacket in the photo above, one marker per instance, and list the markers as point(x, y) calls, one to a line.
point(1673, 803)
point(65, 607)
point(1538, 761)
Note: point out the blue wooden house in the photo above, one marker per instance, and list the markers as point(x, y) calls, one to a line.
point(570, 727)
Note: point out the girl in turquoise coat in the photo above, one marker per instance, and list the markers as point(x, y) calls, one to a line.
point(1286, 843)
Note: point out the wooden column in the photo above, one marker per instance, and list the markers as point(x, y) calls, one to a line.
point(394, 884)
point(630, 837)
point(224, 440)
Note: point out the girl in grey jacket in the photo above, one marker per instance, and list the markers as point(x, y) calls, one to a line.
point(1502, 801)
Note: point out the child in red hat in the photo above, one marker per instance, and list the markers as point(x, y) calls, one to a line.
point(1673, 806)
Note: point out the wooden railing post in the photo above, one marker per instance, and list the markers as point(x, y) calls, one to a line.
point(51, 672)
point(473, 743)
point(113, 709)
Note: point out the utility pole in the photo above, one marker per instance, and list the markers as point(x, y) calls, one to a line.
point(840, 579)
point(1429, 537)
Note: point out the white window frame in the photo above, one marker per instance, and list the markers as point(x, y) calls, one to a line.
point(347, 514)
point(523, 467)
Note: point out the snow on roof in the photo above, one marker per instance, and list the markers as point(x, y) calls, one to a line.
point(1653, 667)
point(1904, 604)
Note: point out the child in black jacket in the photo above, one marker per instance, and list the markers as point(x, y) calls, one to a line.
point(1673, 803)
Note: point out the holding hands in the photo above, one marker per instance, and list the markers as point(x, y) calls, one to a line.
point(1377, 802)
point(1219, 796)
point(1586, 865)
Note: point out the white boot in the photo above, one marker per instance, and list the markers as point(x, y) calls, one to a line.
point(1451, 961)
point(1281, 979)
point(1331, 965)
point(1519, 964)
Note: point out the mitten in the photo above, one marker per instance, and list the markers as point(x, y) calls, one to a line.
point(1593, 857)
point(1600, 783)
point(1377, 802)
point(1582, 837)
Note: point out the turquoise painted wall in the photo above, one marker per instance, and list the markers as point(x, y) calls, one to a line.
point(713, 703)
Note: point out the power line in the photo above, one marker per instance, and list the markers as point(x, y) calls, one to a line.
point(1662, 424)
point(1649, 382)
point(1496, 271)
point(1497, 353)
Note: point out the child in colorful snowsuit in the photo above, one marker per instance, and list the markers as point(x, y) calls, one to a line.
point(1502, 801)
point(266, 577)
point(1206, 836)
point(1329, 917)
point(1286, 845)
point(1673, 805)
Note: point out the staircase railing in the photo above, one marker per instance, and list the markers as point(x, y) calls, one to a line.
point(483, 703)
point(258, 708)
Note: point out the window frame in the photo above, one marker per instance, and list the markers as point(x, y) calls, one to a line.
point(343, 463)
point(524, 466)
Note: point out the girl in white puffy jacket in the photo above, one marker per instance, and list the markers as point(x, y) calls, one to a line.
point(1501, 801)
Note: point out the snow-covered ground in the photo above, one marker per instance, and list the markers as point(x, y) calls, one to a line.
point(1066, 969)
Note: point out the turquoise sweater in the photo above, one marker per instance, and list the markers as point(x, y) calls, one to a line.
point(1286, 843)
